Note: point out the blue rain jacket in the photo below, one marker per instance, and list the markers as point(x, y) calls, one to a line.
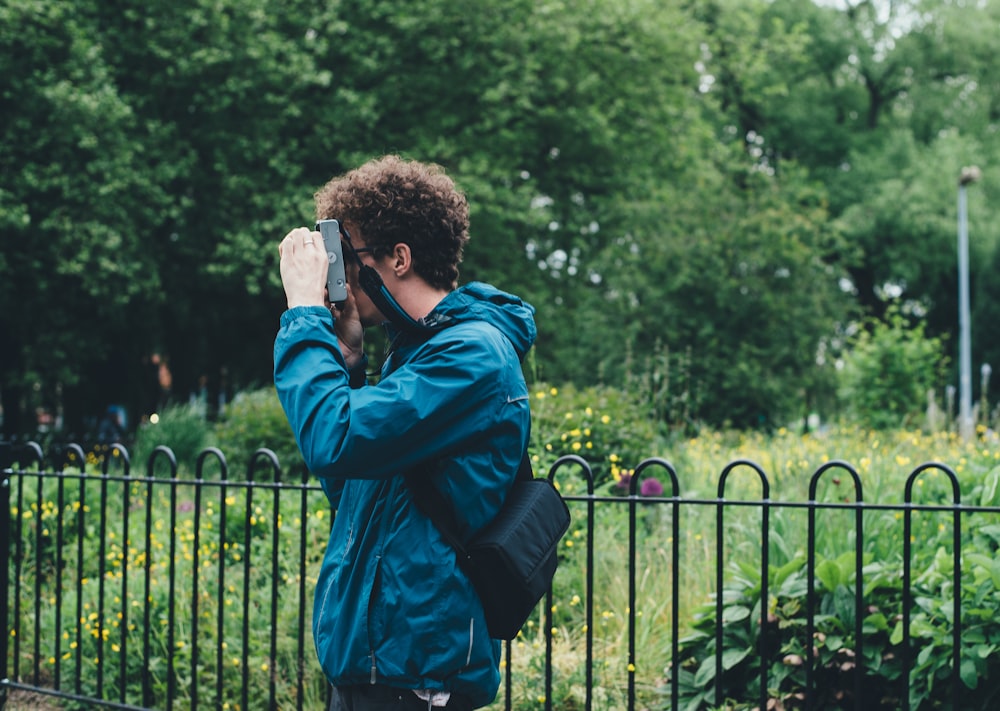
point(392, 606)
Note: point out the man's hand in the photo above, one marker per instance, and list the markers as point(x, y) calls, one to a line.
point(303, 267)
point(350, 332)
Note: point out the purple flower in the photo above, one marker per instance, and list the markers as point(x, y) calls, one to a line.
point(624, 481)
point(651, 487)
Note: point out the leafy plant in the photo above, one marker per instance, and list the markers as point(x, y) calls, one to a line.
point(182, 428)
point(835, 650)
point(254, 420)
point(888, 372)
point(598, 424)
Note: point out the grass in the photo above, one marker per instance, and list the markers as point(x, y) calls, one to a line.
point(882, 461)
point(597, 428)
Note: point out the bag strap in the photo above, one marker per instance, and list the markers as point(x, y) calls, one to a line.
point(433, 504)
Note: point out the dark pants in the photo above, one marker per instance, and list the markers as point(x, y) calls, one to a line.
point(375, 697)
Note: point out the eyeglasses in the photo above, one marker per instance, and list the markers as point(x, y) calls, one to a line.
point(351, 249)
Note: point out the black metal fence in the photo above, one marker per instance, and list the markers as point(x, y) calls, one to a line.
point(176, 589)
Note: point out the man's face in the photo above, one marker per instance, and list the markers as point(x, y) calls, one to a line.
point(367, 311)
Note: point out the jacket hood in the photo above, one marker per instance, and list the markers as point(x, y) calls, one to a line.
point(477, 301)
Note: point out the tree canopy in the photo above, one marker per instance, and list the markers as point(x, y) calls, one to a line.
point(705, 192)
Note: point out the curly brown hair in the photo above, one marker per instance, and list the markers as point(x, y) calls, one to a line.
point(391, 200)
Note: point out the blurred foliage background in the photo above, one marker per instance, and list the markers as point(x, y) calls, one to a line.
point(711, 198)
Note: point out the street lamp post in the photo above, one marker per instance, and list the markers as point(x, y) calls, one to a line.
point(965, 426)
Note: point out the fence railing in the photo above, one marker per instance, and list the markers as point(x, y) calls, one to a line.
point(193, 589)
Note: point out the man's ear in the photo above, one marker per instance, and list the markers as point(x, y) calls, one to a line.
point(402, 259)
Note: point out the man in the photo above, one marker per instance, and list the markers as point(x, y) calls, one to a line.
point(397, 624)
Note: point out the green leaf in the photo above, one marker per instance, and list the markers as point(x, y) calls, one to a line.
point(896, 637)
point(875, 623)
point(925, 654)
point(845, 562)
point(967, 671)
point(920, 627)
point(735, 613)
point(979, 559)
point(991, 488)
point(782, 573)
point(828, 574)
point(732, 657)
point(706, 671)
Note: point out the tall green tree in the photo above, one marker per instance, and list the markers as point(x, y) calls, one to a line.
point(230, 92)
point(551, 116)
point(76, 205)
point(736, 280)
point(883, 103)
point(719, 179)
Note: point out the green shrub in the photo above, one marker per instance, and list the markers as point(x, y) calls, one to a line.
point(834, 646)
point(599, 424)
point(254, 420)
point(888, 372)
point(182, 428)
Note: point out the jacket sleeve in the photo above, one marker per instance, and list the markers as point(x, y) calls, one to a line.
point(450, 393)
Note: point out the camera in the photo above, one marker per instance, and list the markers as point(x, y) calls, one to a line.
point(336, 278)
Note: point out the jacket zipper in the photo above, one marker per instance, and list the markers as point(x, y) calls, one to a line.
point(393, 487)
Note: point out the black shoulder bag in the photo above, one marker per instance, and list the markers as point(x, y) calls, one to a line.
point(510, 561)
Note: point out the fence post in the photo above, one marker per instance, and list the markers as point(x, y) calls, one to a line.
point(5, 462)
